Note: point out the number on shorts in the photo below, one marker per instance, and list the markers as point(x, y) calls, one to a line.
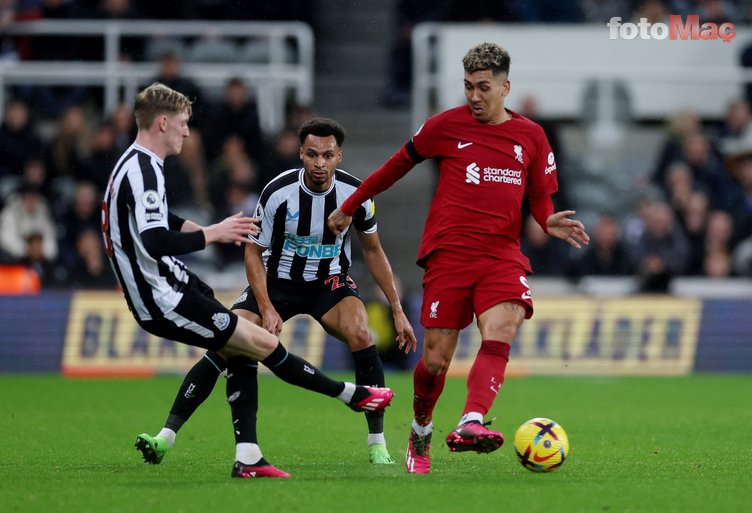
point(335, 283)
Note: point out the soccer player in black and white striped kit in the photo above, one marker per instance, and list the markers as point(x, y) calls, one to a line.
point(142, 239)
point(297, 266)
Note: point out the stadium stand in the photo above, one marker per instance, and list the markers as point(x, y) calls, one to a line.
point(619, 159)
point(274, 77)
point(608, 111)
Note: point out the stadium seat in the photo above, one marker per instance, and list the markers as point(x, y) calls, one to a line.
point(18, 280)
point(212, 49)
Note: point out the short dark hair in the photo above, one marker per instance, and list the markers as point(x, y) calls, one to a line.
point(235, 81)
point(487, 56)
point(322, 127)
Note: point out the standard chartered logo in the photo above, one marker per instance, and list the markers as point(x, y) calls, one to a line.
point(502, 175)
point(492, 174)
point(473, 174)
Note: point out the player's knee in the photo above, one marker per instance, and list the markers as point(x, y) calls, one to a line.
point(267, 342)
point(261, 341)
point(437, 363)
point(358, 336)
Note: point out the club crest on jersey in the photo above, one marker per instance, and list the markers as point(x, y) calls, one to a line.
point(221, 320)
point(518, 153)
point(259, 212)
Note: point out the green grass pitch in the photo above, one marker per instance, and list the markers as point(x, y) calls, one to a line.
point(637, 445)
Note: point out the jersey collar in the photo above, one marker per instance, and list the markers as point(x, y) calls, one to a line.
point(149, 152)
point(301, 179)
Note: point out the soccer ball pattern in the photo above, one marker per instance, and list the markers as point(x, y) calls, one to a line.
point(541, 445)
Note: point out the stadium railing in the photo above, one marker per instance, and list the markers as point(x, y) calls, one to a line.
point(271, 76)
point(565, 66)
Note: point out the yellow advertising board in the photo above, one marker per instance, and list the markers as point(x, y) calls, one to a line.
point(637, 335)
point(572, 336)
point(103, 339)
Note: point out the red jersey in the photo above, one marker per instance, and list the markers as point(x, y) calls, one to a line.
point(484, 172)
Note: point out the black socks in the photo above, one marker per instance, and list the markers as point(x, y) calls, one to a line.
point(370, 372)
point(296, 371)
point(242, 396)
point(196, 387)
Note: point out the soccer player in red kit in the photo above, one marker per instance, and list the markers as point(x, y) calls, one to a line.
point(489, 157)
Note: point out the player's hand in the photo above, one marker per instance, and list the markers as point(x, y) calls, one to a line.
point(338, 221)
point(405, 335)
point(235, 229)
point(569, 230)
point(271, 321)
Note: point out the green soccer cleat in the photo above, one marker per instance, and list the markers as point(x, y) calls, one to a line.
point(378, 455)
point(153, 448)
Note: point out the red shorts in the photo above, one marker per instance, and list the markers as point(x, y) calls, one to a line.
point(453, 291)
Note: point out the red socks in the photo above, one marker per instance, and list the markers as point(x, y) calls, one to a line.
point(486, 376)
point(483, 383)
point(428, 388)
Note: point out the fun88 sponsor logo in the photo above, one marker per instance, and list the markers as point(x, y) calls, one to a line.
point(308, 246)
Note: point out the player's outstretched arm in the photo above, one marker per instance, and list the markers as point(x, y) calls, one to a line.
point(338, 221)
point(380, 180)
point(569, 230)
point(235, 229)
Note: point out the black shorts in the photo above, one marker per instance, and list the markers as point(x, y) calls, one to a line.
point(198, 319)
point(291, 298)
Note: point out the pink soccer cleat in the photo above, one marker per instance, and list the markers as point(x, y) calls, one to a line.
point(242, 470)
point(474, 436)
point(418, 455)
point(378, 399)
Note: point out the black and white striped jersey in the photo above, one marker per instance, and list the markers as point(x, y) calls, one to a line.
point(134, 202)
point(299, 244)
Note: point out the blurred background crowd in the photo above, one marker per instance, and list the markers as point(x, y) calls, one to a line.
point(692, 216)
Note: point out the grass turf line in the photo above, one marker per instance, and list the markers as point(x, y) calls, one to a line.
point(637, 444)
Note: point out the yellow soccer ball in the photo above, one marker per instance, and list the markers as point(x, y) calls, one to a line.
point(541, 445)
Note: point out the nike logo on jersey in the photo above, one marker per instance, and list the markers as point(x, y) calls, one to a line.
point(461, 145)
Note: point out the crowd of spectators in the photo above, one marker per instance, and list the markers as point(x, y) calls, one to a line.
point(51, 189)
point(694, 218)
point(57, 147)
point(52, 180)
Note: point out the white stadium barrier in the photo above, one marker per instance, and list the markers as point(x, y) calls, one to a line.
point(272, 72)
point(562, 64)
